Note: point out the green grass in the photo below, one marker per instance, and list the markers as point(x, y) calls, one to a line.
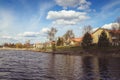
point(79, 48)
point(68, 48)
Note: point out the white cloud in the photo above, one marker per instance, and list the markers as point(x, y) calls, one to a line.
point(7, 37)
point(44, 30)
point(29, 34)
point(17, 25)
point(100, 18)
point(109, 26)
point(65, 17)
point(65, 14)
point(84, 6)
point(65, 22)
point(80, 4)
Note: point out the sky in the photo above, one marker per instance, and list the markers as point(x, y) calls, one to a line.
point(22, 20)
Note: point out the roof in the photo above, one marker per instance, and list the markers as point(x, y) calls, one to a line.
point(115, 31)
point(99, 29)
point(77, 39)
point(50, 42)
point(37, 43)
point(112, 31)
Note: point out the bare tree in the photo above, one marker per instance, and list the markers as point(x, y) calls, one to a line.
point(51, 34)
point(118, 21)
point(69, 34)
point(114, 26)
point(87, 28)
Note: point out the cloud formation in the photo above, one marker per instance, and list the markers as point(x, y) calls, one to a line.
point(7, 37)
point(34, 34)
point(109, 26)
point(29, 34)
point(65, 17)
point(80, 4)
point(45, 30)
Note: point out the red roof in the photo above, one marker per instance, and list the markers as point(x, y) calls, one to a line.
point(77, 39)
point(115, 31)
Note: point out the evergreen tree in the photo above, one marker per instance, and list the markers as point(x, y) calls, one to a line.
point(60, 41)
point(53, 46)
point(87, 41)
point(103, 40)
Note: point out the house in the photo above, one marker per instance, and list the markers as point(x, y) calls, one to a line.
point(66, 42)
point(48, 44)
point(96, 34)
point(76, 41)
point(38, 45)
point(113, 35)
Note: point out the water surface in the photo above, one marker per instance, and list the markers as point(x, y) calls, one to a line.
point(26, 65)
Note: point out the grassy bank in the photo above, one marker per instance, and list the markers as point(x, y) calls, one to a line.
point(93, 51)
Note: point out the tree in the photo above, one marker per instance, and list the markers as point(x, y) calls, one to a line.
point(118, 21)
point(51, 34)
point(53, 46)
point(67, 36)
point(114, 26)
point(87, 41)
point(87, 28)
point(103, 40)
point(27, 44)
point(6, 45)
point(60, 41)
point(11, 45)
point(19, 45)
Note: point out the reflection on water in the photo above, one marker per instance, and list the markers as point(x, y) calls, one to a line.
point(25, 65)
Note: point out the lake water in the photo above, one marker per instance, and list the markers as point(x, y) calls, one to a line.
point(26, 65)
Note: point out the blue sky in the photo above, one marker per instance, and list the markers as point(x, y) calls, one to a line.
point(22, 20)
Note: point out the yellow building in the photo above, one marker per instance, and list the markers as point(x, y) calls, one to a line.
point(112, 35)
point(96, 34)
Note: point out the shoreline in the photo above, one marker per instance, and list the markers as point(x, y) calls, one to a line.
point(14, 49)
point(92, 53)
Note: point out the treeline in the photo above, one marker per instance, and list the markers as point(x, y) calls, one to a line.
point(17, 45)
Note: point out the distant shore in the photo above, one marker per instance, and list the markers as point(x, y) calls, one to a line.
point(13, 49)
point(25, 49)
